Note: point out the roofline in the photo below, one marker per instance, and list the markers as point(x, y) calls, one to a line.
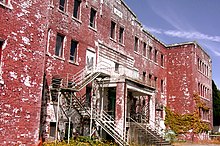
point(188, 43)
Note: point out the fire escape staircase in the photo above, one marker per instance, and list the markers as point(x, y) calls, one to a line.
point(101, 118)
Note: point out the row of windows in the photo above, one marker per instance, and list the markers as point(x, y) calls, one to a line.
point(60, 47)
point(148, 52)
point(153, 81)
point(204, 91)
point(77, 10)
point(203, 67)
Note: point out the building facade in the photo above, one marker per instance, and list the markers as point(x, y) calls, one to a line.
point(89, 67)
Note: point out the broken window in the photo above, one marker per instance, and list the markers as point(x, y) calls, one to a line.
point(155, 56)
point(113, 26)
point(144, 49)
point(76, 9)
point(162, 60)
point(136, 44)
point(62, 5)
point(59, 45)
point(73, 51)
point(52, 129)
point(121, 35)
point(92, 17)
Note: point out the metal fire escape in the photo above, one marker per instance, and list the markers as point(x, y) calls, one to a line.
point(70, 91)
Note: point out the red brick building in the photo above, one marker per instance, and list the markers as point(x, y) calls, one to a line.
point(90, 68)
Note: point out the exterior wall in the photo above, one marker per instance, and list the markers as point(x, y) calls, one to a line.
point(23, 25)
point(36, 64)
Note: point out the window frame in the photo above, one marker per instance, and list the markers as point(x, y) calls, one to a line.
point(113, 30)
point(74, 60)
point(92, 18)
point(144, 49)
point(136, 44)
point(155, 56)
point(62, 7)
point(121, 35)
point(61, 47)
point(77, 10)
point(162, 60)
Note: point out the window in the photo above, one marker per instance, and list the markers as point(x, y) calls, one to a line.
point(155, 56)
point(144, 76)
point(52, 129)
point(144, 49)
point(76, 9)
point(6, 3)
point(73, 51)
point(59, 45)
point(113, 25)
point(62, 5)
point(92, 17)
point(155, 82)
point(149, 52)
point(136, 44)
point(161, 60)
point(121, 35)
point(48, 39)
point(116, 67)
point(149, 79)
point(1, 44)
point(162, 86)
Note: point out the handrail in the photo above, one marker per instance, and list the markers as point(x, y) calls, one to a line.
point(144, 128)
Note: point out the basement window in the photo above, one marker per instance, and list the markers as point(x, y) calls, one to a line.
point(121, 35)
point(52, 129)
point(76, 9)
point(92, 17)
point(59, 45)
point(112, 33)
point(73, 51)
point(62, 5)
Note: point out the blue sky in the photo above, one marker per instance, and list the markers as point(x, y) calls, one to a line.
point(176, 21)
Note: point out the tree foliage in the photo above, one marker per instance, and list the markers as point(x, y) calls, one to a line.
point(216, 104)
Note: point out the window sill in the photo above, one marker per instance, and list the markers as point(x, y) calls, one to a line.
point(112, 39)
point(122, 44)
point(92, 28)
point(77, 20)
point(205, 98)
point(9, 6)
point(63, 12)
point(73, 62)
point(57, 57)
point(136, 52)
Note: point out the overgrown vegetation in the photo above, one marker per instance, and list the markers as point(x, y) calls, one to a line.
point(82, 141)
point(216, 104)
point(183, 123)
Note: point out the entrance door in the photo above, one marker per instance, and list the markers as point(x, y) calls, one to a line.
point(111, 101)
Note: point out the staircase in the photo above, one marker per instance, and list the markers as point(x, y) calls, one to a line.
point(153, 137)
point(101, 119)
